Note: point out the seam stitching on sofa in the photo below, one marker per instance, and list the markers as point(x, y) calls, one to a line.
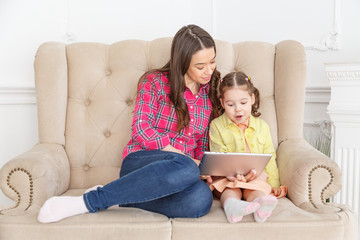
point(17, 192)
point(324, 189)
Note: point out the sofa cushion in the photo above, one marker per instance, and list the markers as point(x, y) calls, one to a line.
point(114, 223)
point(286, 221)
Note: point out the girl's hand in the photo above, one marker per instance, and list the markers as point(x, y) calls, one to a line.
point(251, 175)
point(238, 177)
point(279, 192)
point(275, 191)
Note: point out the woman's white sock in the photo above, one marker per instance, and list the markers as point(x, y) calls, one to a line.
point(57, 208)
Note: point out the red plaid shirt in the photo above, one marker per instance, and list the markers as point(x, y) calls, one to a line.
point(155, 120)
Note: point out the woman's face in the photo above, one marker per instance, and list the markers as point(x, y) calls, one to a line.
point(202, 66)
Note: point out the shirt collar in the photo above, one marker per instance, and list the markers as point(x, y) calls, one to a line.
point(228, 121)
point(205, 88)
point(244, 125)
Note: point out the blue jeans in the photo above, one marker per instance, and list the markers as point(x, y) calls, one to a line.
point(158, 181)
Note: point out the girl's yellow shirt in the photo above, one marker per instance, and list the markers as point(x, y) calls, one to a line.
point(226, 136)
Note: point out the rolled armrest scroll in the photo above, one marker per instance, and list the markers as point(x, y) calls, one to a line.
point(33, 177)
point(311, 177)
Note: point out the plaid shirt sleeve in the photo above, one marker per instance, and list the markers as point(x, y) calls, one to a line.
point(145, 112)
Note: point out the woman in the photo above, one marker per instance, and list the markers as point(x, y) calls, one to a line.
point(160, 172)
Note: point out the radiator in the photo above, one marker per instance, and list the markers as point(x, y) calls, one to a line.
point(349, 161)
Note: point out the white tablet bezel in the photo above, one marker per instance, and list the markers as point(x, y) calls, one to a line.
point(230, 164)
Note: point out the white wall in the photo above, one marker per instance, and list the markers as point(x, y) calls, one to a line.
point(24, 25)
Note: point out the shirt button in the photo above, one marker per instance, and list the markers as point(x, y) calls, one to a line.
point(196, 96)
point(192, 119)
point(189, 134)
point(191, 107)
point(180, 141)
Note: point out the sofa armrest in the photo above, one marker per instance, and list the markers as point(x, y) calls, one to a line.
point(311, 177)
point(33, 177)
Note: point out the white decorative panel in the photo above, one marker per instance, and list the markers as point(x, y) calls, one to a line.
point(17, 95)
point(344, 111)
point(349, 162)
point(18, 125)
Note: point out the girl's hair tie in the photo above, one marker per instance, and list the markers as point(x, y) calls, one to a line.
point(247, 79)
point(221, 80)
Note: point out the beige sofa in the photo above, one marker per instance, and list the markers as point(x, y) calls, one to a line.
point(85, 98)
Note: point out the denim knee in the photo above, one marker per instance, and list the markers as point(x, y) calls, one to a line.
point(206, 200)
point(202, 200)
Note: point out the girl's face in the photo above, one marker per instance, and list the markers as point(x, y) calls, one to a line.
point(237, 103)
point(202, 66)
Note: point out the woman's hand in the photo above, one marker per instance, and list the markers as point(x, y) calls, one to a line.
point(208, 178)
point(196, 161)
point(170, 148)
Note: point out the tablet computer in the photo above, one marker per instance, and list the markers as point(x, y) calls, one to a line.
point(230, 164)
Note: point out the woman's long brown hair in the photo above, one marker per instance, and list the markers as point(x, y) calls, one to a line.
point(186, 42)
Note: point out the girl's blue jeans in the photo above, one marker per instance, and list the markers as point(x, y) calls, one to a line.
point(158, 181)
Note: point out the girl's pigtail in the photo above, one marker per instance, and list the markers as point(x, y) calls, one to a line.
point(256, 105)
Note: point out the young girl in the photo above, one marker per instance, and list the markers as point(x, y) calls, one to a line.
point(239, 129)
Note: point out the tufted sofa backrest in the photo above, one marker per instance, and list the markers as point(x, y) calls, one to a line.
point(86, 94)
